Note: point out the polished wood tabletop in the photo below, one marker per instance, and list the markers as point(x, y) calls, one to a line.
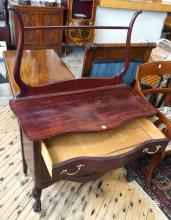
point(93, 110)
point(38, 67)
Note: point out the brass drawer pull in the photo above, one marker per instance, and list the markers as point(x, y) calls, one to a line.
point(146, 150)
point(74, 173)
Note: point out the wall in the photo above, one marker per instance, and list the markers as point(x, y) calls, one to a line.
point(147, 28)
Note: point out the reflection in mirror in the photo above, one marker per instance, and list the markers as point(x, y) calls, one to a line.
point(82, 9)
point(79, 12)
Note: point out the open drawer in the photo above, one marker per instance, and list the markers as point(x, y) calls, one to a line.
point(109, 143)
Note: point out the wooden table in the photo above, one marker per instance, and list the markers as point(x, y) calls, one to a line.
point(75, 136)
point(94, 124)
point(38, 67)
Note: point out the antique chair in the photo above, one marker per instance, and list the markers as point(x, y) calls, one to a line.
point(105, 60)
point(4, 23)
point(153, 82)
point(79, 129)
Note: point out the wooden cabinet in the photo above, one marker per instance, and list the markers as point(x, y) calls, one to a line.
point(40, 15)
point(80, 12)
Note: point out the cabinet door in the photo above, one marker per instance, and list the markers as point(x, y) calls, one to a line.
point(52, 38)
point(31, 38)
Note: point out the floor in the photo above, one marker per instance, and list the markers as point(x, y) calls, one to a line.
point(5, 92)
point(109, 197)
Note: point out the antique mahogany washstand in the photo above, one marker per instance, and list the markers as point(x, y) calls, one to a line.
point(81, 128)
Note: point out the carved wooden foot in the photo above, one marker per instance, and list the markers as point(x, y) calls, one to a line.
point(37, 204)
point(129, 177)
point(153, 163)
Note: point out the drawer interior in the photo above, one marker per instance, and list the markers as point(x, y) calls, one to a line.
point(98, 144)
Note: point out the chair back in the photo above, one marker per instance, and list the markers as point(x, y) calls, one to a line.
point(104, 60)
point(153, 81)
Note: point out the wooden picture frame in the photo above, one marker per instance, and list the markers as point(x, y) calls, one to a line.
point(80, 37)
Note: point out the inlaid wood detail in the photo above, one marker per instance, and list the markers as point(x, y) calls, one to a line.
point(29, 19)
point(51, 36)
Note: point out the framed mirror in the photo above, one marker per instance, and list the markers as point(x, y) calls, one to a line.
point(80, 12)
point(82, 9)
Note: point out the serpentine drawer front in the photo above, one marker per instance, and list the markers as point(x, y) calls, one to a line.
point(104, 144)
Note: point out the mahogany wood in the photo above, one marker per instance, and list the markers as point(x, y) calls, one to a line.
point(160, 68)
point(93, 166)
point(88, 111)
point(26, 90)
point(153, 163)
point(103, 163)
point(25, 166)
point(108, 143)
point(38, 67)
point(74, 105)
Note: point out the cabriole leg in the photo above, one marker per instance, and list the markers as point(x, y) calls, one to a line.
point(25, 167)
point(153, 163)
point(37, 204)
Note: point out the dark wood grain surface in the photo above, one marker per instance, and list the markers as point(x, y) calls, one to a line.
point(42, 118)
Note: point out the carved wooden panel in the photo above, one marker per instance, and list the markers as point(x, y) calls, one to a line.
point(30, 18)
point(51, 36)
point(39, 15)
